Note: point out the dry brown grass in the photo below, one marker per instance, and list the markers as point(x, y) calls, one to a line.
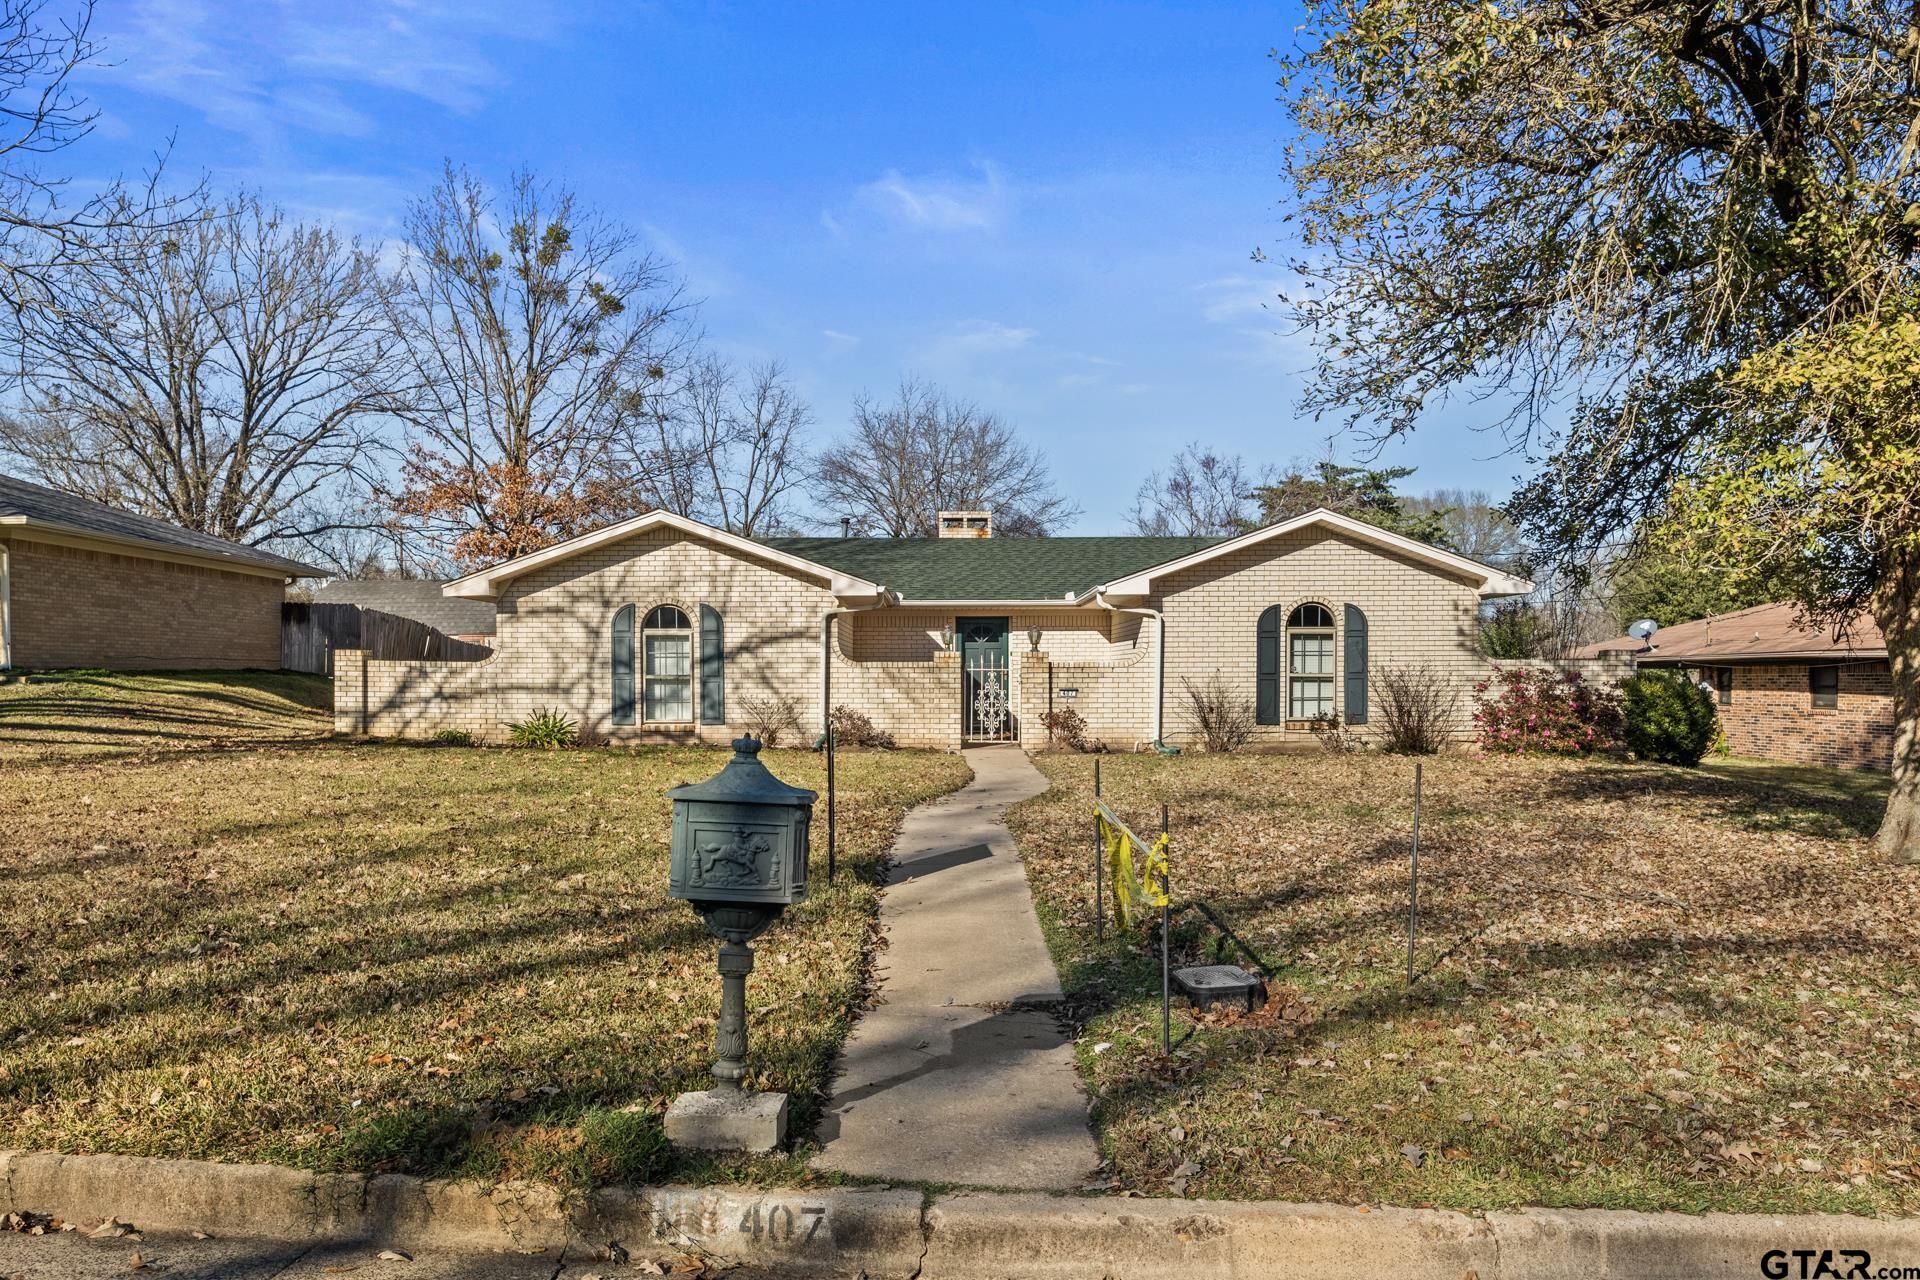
point(232, 940)
point(1641, 987)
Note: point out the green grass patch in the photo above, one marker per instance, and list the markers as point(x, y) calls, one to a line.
point(1640, 987)
point(235, 940)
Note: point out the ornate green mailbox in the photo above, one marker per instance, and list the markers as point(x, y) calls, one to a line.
point(740, 837)
point(739, 858)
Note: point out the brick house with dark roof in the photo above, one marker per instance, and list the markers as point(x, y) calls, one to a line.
point(84, 584)
point(661, 628)
point(1786, 689)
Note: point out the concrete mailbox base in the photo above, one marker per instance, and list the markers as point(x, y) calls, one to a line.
point(728, 1120)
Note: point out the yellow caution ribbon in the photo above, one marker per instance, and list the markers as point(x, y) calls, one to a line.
point(1132, 889)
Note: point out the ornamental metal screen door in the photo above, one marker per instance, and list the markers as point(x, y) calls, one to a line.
point(986, 685)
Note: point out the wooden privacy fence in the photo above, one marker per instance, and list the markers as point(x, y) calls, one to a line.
point(309, 633)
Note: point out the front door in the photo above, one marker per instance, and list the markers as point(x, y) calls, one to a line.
point(986, 689)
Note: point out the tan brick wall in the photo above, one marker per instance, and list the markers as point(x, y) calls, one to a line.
point(1772, 715)
point(1416, 615)
point(79, 608)
point(554, 649)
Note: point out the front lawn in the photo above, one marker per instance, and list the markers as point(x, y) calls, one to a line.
point(1641, 987)
point(231, 939)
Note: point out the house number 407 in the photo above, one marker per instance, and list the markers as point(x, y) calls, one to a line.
point(781, 1223)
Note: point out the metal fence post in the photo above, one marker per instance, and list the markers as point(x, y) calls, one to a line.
point(1099, 853)
point(1413, 893)
point(1166, 921)
point(832, 823)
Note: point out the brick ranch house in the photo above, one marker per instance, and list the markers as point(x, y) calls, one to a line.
point(83, 584)
point(1786, 690)
point(660, 628)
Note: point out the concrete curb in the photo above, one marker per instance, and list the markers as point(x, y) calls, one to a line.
point(884, 1232)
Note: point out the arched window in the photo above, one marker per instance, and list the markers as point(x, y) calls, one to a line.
point(666, 643)
point(1309, 662)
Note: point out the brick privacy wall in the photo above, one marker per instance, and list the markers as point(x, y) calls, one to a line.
point(79, 608)
point(1772, 715)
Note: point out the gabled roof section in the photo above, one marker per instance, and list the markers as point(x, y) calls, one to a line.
point(1490, 582)
point(1764, 633)
point(486, 584)
point(32, 506)
point(990, 570)
point(418, 598)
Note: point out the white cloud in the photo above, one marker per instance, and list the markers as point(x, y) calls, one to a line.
point(840, 341)
point(939, 203)
point(266, 68)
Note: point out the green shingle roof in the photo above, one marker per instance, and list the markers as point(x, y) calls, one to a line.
point(989, 568)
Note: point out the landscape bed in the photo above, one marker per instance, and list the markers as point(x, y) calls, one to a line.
point(233, 939)
point(1639, 987)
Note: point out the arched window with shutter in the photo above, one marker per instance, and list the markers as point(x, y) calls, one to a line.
point(713, 666)
point(623, 665)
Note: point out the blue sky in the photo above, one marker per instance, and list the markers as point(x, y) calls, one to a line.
point(1048, 209)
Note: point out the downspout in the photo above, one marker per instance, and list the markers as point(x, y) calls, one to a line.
point(6, 607)
point(1159, 666)
point(827, 621)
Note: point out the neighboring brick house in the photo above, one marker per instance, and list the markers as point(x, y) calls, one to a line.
point(1788, 690)
point(83, 584)
point(663, 629)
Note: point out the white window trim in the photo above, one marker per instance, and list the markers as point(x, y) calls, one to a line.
point(642, 634)
point(1331, 679)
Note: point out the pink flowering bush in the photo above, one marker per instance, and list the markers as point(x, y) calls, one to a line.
point(1527, 709)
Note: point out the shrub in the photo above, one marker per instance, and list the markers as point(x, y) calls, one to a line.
point(852, 729)
point(770, 717)
point(1333, 735)
point(1069, 728)
point(1417, 708)
point(1669, 717)
point(1526, 709)
point(548, 728)
point(1219, 715)
point(452, 738)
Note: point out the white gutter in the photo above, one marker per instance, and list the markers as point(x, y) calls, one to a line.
point(1159, 660)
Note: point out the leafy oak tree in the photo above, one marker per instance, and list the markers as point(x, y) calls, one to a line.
point(1697, 219)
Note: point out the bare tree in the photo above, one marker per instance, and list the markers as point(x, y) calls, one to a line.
point(233, 379)
point(723, 449)
point(1200, 494)
point(44, 233)
point(925, 452)
point(1473, 523)
point(541, 337)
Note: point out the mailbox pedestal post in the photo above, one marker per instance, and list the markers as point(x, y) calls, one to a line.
point(739, 859)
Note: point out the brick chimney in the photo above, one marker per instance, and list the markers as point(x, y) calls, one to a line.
point(965, 524)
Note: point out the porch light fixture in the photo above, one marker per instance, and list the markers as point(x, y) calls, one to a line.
point(946, 636)
point(1033, 638)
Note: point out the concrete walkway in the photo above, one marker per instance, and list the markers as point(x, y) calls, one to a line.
point(961, 1074)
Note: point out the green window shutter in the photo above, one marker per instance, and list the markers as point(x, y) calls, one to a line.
point(1356, 666)
point(623, 666)
point(1267, 700)
point(713, 667)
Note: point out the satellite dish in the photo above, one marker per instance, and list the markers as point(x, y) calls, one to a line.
point(1643, 629)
